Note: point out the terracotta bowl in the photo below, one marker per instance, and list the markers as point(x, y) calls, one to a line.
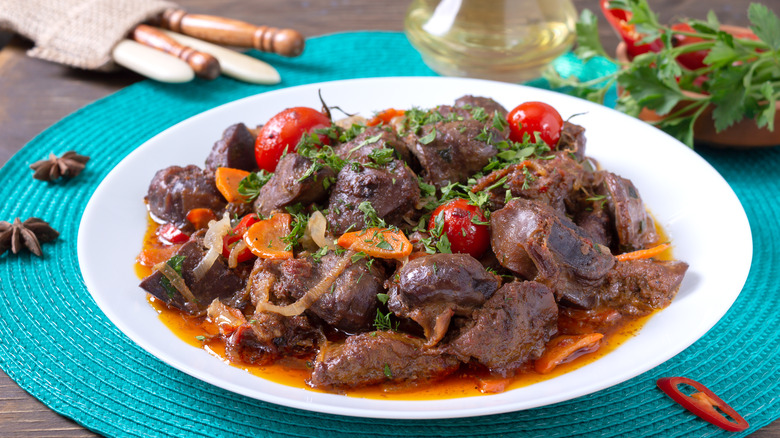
point(744, 133)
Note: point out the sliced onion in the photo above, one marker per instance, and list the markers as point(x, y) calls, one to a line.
point(317, 228)
point(176, 281)
point(237, 249)
point(228, 319)
point(313, 294)
point(213, 242)
point(347, 122)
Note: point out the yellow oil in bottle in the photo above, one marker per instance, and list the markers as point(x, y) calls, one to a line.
point(504, 40)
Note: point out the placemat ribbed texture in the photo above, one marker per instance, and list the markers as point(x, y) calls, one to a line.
point(57, 344)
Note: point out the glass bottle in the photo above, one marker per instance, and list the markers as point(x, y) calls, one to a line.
point(504, 40)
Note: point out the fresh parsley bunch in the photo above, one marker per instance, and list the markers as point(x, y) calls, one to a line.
point(739, 77)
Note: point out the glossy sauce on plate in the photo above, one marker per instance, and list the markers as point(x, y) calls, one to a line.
point(197, 332)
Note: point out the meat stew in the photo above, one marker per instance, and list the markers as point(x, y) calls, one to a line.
point(359, 318)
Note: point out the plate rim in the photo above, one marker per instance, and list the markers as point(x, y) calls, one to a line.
point(412, 412)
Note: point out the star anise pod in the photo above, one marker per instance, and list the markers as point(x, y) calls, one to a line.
point(30, 234)
point(69, 165)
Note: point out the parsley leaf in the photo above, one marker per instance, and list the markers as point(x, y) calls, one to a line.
point(428, 138)
point(250, 186)
point(766, 25)
point(731, 79)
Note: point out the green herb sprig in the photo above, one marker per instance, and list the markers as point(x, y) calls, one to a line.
point(740, 77)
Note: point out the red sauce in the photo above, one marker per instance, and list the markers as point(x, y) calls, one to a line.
point(294, 372)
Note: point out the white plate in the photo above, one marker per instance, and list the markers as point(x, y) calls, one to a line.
point(689, 198)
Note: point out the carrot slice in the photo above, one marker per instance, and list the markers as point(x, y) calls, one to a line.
point(643, 253)
point(227, 180)
point(264, 238)
point(200, 217)
point(385, 116)
point(493, 385)
point(566, 348)
point(154, 255)
point(377, 242)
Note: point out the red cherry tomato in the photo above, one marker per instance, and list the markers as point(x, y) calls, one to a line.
point(284, 131)
point(236, 234)
point(532, 117)
point(465, 236)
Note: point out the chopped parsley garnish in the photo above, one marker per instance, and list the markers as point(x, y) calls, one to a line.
point(250, 186)
point(384, 322)
point(499, 122)
point(372, 218)
point(319, 254)
point(298, 226)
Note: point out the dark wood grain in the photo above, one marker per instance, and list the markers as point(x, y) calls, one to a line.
point(35, 94)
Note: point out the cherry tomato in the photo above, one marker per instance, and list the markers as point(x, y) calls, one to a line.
point(236, 234)
point(284, 131)
point(532, 117)
point(465, 236)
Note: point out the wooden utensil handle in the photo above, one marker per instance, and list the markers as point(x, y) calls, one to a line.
point(285, 42)
point(203, 64)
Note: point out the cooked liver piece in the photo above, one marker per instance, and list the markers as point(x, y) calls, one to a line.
point(634, 227)
point(270, 336)
point(512, 328)
point(534, 241)
point(572, 140)
point(236, 149)
point(218, 282)
point(455, 153)
point(392, 190)
point(379, 358)
point(370, 140)
point(286, 186)
point(489, 105)
point(638, 287)
point(555, 182)
point(174, 191)
point(432, 289)
point(350, 305)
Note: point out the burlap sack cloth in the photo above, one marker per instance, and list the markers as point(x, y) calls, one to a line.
point(78, 33)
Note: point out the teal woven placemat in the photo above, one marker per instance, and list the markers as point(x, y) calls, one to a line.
point(57, 344)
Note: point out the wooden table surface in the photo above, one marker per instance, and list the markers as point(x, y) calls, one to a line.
point(35, 94)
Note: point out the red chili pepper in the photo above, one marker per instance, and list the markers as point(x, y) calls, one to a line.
point(236, 234)
point(618, 19)
point(703, 403)
point(172, 234)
